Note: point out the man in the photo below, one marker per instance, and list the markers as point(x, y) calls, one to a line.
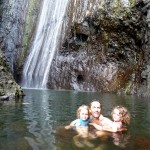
point(99, 120)
point(97, 117)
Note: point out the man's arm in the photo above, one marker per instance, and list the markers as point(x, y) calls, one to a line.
point(104, 121)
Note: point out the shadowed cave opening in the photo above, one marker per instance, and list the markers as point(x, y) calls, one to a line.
point(80, 78)
point(81, 37)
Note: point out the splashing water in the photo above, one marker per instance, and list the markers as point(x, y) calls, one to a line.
point(48, 33)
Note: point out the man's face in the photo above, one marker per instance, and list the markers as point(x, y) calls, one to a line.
point(95, 109)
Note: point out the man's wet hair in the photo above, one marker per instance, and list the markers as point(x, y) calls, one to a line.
point(94, 100)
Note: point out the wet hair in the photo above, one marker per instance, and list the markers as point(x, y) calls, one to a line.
point(124, 114)
point(94, 100)
point(83, 107)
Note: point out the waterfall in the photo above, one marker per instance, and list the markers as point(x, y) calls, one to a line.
point(45, 43)
point(55, 19)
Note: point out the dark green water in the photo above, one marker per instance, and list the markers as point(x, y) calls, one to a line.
point(38, 123)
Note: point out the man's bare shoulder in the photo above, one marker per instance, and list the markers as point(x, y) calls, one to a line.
point(105, 120)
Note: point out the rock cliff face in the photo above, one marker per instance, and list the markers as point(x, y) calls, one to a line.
point(10, 91)
point(17, 24)
point(10, 42)
point(11, 28)
point(106, 52)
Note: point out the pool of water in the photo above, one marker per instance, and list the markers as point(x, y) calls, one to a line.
point(38, 123)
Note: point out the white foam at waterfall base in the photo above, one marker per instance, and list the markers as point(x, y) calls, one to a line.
point(44, 46)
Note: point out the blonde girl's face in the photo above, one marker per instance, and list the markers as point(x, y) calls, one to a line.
point(116, 115)
point(84, 115)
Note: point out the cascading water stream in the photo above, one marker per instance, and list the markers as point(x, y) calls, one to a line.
point(48, 33)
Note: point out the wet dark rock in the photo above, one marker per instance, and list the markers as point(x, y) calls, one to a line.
point(4, 98)
point(17, 25)
point(9, 89)
point(105, 52)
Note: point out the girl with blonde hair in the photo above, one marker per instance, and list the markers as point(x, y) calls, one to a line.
point(81, 126)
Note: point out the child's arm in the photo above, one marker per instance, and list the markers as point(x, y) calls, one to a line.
point(72, 124)
point(105, 128)
point(114, 127)
point(110, 129)
point(68, 127)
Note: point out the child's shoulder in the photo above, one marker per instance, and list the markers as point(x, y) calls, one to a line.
point(118, 125)
point(76, 120)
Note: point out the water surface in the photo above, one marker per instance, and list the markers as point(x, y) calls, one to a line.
point(38, 123)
